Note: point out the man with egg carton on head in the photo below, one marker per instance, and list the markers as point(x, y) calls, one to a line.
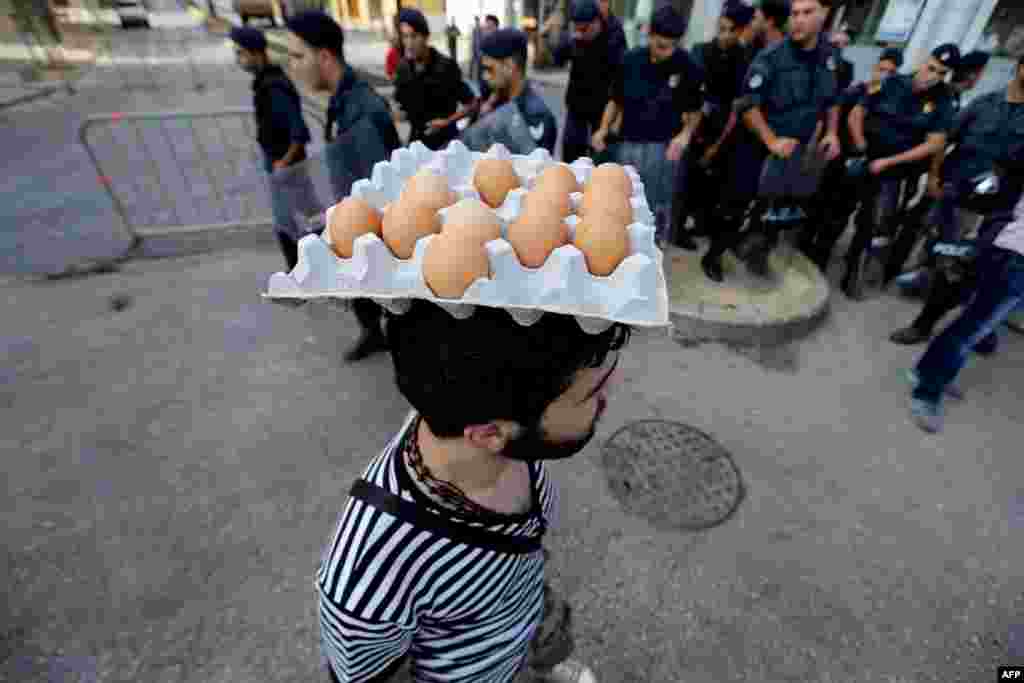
point(521, 121)
point(494, 395)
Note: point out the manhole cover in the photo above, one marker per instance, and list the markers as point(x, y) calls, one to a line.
point(673, 475)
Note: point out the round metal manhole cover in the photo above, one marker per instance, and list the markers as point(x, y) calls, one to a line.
point(673, 475)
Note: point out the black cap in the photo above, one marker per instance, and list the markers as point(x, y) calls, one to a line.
point(948, 55)
point(251, 39)
point(415, 19)
point(317, 30)
point(585, 11)
point(667, 22)
point(740, 14)
point(503, 43)
point(892, 54)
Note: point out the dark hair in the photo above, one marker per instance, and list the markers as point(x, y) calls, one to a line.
point(493, 19)
point(777, 11)
point(457, 373)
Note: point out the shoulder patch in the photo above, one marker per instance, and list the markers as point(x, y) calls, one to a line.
point(756, 81)
point(673, 81)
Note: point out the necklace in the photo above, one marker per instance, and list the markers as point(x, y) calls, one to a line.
point(447, 492)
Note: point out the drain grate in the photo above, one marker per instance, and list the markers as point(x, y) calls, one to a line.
point(673, 475)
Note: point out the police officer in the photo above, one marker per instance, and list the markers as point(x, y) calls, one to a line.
point(596, 52)
point(657, 95)
point(724, 63)
point(282, 135)
point(429, 86)
point(837, 197)
point(990, 129)
point(965, 78)
point(788, 99)
point(897, 129)
point(504, 56)
point(317, 53)
point(768, 26)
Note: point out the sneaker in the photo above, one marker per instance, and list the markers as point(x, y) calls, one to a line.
point(952, 390)
point(926, 415)
point(570, 671)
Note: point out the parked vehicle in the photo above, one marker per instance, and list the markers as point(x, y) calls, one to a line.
point(132, 12)
point(255, 9)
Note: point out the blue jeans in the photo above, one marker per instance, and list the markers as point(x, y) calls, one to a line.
point(1000, 290)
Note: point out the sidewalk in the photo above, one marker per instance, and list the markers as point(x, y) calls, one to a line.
point(175, 465)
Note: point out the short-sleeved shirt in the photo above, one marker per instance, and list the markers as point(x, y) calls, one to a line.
point(724, 71)
point(587, 94)
point(433, 91)
point(654, 97)
point(990, 129)
point(792, 87)
point(278, 115)
point(539, 119)
point(898, 119)
point(387, 588)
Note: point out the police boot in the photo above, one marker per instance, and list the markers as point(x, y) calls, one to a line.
point(851, 284)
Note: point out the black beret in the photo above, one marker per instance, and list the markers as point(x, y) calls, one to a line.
point(892, 54)
point(317, 29)
point(249, 38)
point(740, 14)
point(948, 55)
point(667, 22)
point(415, 19)
point(585, 11)
point(503, 43)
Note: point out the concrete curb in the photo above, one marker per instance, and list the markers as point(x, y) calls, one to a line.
point(29, 97)
point(754, 325)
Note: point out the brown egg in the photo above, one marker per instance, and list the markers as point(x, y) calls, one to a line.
point(494, 179)
point(471, 218)
point(610, 206)
point(612, 177)
point(537, 232)
point(350, 219)
point(549, 194)
point(405, 222)
point(559, 176)
point(604, 246)
point(452, 263)
point(427, 187)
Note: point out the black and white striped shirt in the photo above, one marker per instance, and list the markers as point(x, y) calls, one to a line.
point(387, 588)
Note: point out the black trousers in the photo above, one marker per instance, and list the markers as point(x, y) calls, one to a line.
point(828, 214)
point(369, 315)
point(290, 249)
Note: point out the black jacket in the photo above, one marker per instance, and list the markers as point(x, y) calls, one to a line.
point(273, 133)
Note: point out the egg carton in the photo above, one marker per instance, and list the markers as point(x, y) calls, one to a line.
point(635, 293)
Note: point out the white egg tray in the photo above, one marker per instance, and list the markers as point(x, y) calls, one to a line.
point(635, 293)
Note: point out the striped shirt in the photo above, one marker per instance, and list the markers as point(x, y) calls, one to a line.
point(387, 588)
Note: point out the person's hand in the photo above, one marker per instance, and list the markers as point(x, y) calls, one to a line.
point(436, 126)
point(879, 166)
point(934, 187)
point(709, 155)
point(783, 147)
point(676, 148)
point(552, 22)
point(830, 145)
point(597, 140)
point(279, 164)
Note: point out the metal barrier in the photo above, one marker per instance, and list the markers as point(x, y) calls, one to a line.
point(179, 172)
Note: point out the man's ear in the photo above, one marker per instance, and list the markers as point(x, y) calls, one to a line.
point(491, 436)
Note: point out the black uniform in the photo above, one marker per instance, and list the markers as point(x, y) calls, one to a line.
point(695, 188)
point(431, 91)
point(593, 64)
point(793, 88)
point(897, 120)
